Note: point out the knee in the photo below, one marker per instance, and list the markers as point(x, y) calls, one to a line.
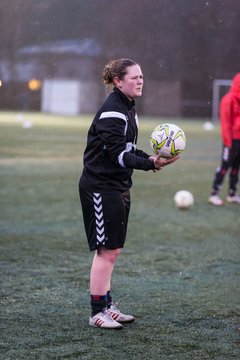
point(110, 255)
point(117, 252)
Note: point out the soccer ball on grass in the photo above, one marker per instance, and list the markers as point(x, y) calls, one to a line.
point(168, 140)
point(184, 199)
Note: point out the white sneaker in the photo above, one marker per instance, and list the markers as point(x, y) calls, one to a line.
point(215, 200)
point(235, 199)
point(104, 320)
point(118, 316)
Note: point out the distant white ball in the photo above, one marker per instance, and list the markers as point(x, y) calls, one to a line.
point(208, 126)
point(168, 140)
point(27, 124)
point(184, 199)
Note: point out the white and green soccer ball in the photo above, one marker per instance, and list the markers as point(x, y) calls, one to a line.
point(168, 140)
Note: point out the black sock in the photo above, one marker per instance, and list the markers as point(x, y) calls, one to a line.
point(109, 299)
point(98, 303)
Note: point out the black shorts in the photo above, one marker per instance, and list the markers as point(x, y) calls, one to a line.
point(105, 218)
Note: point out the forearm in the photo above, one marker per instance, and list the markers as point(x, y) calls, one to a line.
point(134, 161)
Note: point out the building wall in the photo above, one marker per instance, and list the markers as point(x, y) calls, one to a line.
point(69, 97)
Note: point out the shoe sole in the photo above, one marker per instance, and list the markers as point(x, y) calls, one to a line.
point(215, 204)
point(126, 321)
point(107, 328)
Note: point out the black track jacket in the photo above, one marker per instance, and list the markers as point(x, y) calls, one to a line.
point(111, 153)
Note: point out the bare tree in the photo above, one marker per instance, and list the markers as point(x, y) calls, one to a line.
point(17, 19)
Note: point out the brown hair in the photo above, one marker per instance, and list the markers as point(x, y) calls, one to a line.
point(116, 68)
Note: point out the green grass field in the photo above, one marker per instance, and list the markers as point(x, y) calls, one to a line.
point(178, 274)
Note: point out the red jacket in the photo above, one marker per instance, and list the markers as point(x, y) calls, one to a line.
point(230, 113)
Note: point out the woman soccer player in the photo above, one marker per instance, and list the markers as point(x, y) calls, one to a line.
point(110, 156)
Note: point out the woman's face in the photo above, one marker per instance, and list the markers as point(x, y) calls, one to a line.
point(132, 83)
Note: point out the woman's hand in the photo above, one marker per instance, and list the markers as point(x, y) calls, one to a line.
point(160, 162)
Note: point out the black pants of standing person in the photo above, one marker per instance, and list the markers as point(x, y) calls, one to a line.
point(230, 162)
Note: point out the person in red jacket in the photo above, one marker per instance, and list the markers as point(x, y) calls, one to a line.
point(230, 131)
